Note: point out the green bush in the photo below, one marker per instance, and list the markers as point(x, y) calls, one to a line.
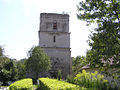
point(91, 80)
point(59, 76)
point(70, 79)
point(53, 84)
point(23, 84)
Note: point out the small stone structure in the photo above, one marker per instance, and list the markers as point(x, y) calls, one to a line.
point(54, 38)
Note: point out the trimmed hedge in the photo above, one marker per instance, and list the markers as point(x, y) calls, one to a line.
point(53, 84)
point(23, 84)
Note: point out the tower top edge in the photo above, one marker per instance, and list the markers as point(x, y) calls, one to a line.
point(53, 14)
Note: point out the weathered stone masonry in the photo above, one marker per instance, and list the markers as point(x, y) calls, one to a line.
point(54, 38)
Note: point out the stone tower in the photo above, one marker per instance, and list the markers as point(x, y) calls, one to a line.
point(54, 38)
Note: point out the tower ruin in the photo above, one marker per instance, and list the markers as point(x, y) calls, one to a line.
point(54, 38)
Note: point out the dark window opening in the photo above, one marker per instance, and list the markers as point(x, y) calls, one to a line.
point(55, 25)
point(54, 39)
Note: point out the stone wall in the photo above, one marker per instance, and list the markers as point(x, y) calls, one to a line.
point(47, 38)
point(60, 59)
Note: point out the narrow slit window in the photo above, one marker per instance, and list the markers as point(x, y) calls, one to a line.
point(54, 25)
point(54, 39)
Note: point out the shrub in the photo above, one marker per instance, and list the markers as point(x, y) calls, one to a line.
point(59, 76)
point(70, 79)
point(24, 84)
point(91, 80)
point(53, 84)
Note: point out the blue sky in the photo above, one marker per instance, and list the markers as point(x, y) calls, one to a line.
point(19, 25)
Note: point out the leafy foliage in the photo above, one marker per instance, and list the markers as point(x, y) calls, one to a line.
point(105, 43)
point(1, 51)
point(6, 68)
point(10, 70)
point(21, 71)
point(70, 79)
point(59, 76)
point(78, 63)
point(99, 11)
point(24, 84)
point(38, 61)
point(91, 80)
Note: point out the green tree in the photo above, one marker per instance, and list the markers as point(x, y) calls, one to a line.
point(1, 51)
point(7, 69)
point(78, 63)
point(4, 70)
point(105, 41)
point(38, 61)
point(13, 70)
point(20, 68)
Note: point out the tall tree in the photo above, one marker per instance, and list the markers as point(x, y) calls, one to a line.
point(4, 70)
point(38, 61)
point(105, 42)
point(7, 69)
point(20, 67)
